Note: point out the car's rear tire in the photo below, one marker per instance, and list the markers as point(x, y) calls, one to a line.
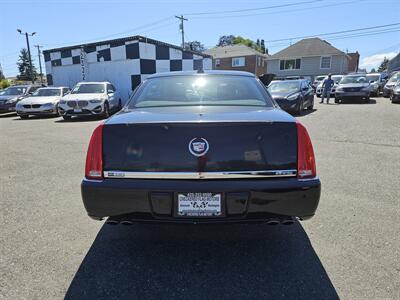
point(367, 100)
point(311, 106)
point(66, 118)
point(337, 100)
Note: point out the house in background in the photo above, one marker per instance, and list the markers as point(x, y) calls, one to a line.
point(354, 61)
point(394, 64)
point(238, 57)
point(309, 58)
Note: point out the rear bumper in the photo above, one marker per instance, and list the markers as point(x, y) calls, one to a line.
point(242, 200)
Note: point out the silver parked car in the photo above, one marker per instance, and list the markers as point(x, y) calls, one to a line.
point(392, 82)
point(90, 99)
point(335, 78)
point(42, 102)
point(10, 96)
point(353, 86)
point(377, 81)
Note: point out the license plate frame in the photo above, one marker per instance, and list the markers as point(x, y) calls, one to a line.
point(199, 205)
point(77, 110)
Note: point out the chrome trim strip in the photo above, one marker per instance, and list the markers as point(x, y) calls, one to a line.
point(205, 175)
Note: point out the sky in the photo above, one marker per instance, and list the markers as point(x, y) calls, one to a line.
point(60, 23)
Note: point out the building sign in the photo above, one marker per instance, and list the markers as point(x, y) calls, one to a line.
point(83, 67)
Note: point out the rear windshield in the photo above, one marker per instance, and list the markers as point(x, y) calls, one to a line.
point(284, 87)
point(193, 90)
point(354, 79)
point(89, 88)
point(46, 92)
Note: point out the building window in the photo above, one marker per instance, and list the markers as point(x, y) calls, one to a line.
point(326, 62)
point(290, 64)
point(217, 62)
point(238, 62)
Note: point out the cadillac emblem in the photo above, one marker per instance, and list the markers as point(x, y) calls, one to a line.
point(198, 146)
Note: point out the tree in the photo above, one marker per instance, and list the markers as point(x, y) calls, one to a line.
point(195, 46)
point(225, 40)
point(384, 65)
point(373, 70)
point(1, 74)
point(25, 72)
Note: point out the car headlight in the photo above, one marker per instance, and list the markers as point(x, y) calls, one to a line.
point(339, 89)
point(48, 104)
point(396, 91)
point(293, 97)
point(9, 101)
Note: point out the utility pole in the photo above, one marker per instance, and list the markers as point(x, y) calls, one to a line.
point(29, 51)
point(181, 29)
point(40, 63)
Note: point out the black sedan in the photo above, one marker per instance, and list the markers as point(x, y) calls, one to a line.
point(201, 148)
point(293, 96)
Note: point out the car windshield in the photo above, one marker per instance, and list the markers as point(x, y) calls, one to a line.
point(337, 78)
point(46, 92)
point(13, 91)
point(89, 88)
point(193, 90)
point(373, 78)
point(284, 87)
point(354, 79)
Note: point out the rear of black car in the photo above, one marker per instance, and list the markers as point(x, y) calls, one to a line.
point(255, 170)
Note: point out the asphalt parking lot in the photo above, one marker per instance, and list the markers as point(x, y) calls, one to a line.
point(50, 249)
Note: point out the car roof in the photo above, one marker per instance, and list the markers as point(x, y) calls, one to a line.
point(202, 73)
point(374, 74)
point(53, 87)
point(92, 82)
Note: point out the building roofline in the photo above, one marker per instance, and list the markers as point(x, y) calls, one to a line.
point(122, 40)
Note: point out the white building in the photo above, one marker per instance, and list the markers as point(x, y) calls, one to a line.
point(125, 62)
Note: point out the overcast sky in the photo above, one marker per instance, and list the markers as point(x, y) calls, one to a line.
point(61, 23)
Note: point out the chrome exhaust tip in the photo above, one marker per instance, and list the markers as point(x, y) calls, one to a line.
point(112, 222)
point(288, 221)
point(126, 222)
point(273, 222)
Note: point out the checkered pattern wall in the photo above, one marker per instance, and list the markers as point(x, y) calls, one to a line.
point(148, 58)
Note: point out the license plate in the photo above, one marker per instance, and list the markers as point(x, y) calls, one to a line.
point(77, 110)
point(199, 205)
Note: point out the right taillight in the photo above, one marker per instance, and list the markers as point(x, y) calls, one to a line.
point(94, 157)
point(305, 154)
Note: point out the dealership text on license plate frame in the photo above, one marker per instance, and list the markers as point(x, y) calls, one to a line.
point(199, 204)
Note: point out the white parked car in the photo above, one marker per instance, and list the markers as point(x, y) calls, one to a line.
point(44, 101)
point(90, 99)
point(335, 78)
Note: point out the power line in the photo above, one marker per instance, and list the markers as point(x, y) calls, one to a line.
point(181, 18)
point(251, 9)
point(332, 33)
point(276, 12)
point(114, 34)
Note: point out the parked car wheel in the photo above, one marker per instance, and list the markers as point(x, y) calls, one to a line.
point(337, 100)
point(311, 106)
point(119, 105)
point(66, 118)
point(106, 112)
point(299, 109)
point(366, 100)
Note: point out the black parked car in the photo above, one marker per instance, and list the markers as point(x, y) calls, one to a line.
point(201, 147)
point(293, 95)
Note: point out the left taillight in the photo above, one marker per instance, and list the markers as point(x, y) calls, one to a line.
point(94, 157)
